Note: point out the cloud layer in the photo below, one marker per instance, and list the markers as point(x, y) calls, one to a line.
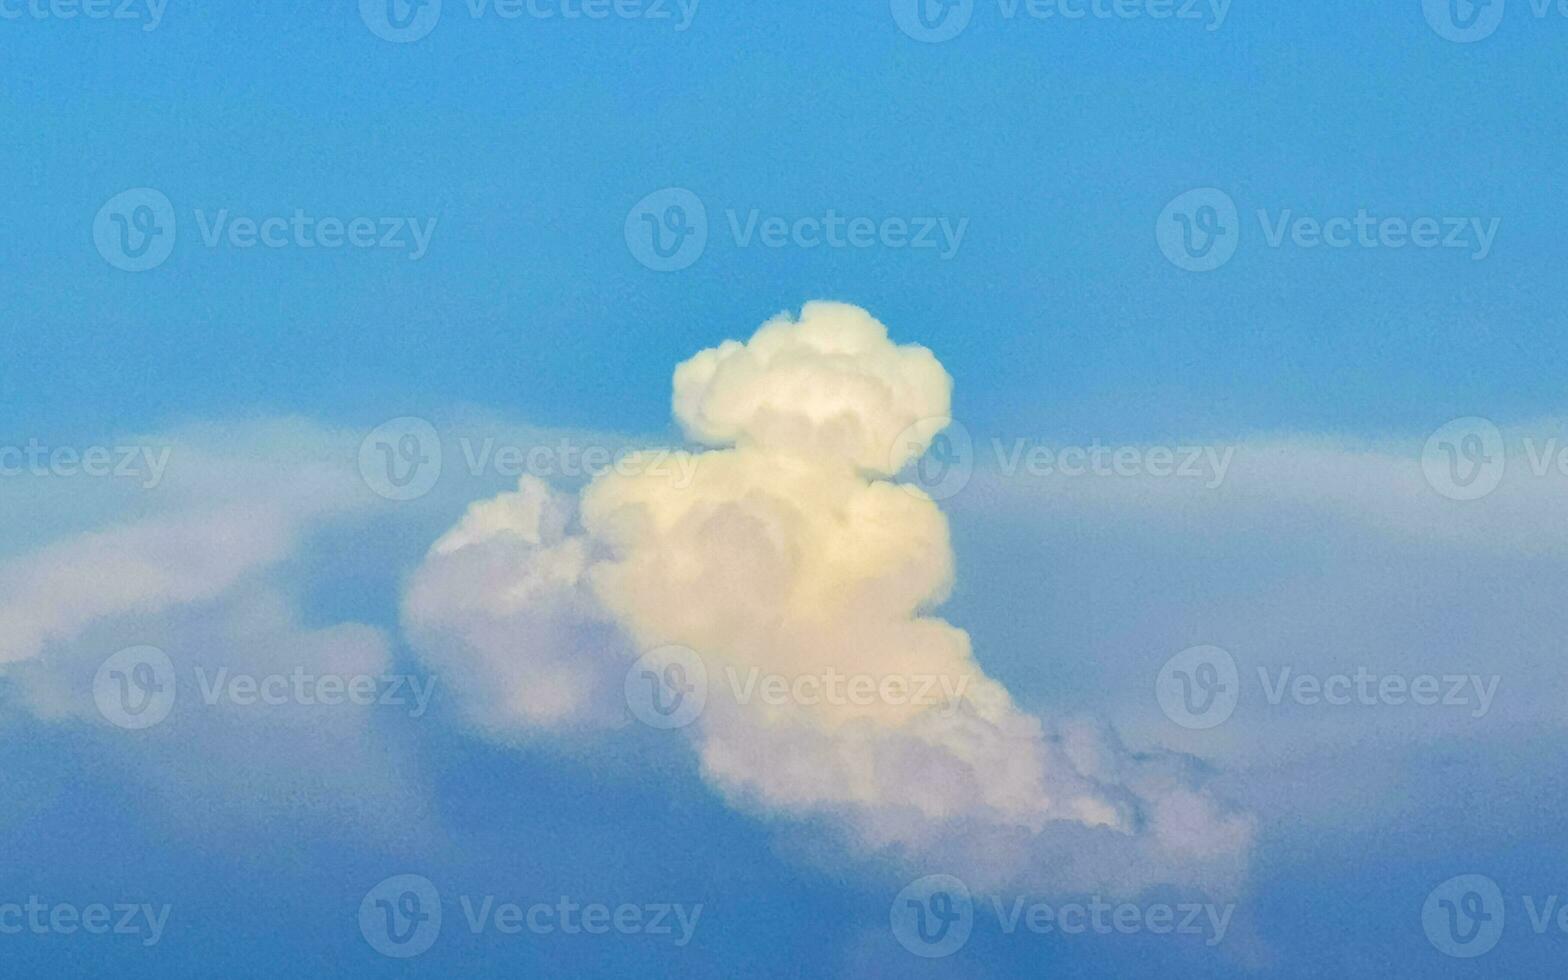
point(202, 576)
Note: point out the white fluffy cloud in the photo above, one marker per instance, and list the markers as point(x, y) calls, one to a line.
point(501, 611)
point(788, 555)
point(827, 386)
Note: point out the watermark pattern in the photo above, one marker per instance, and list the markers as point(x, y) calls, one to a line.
point(1469, 21)
point(1200, 231)
point(146, 464)
point(672, 922)
point(947, 466)
point(403, 459)
point(402, 917)
point(405, 21)
point(574, 460)
point(939, 692)
point(400, 21)
point(1467, 915)
point(1028, 458)
point(146, 13)
point(135, 231)
point(935, 21)
point(1102, 918)
point(1464, 916)
point(1200, 687)
point(934, 917)
point(136, 688)
point(1472, 234)
point(407, 234)
point(37, 917)
point(1465, 459)
point(1468, 458)
point(1464, 21)
point(302, 687)
point(668, 687)
point(668, 230)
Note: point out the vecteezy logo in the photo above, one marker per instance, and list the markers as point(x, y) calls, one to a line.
point(667, 230)
point(933, 21)
point(400, 21)
point(1199, 687)
point(1465, 459)
point(667, 687)
point(401, 459)
point(933, 916)
point(948, 460)
point(1464, 916)
point(135, 230)
point(1199, 230)
point(135, 688)
point(401, 917)
point(1464, 21)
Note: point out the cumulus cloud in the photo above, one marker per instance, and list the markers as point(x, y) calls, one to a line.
point(827, 386)
point(501, 609)
point(789, 555)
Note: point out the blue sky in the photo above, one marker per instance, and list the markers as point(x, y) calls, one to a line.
point(524, 146)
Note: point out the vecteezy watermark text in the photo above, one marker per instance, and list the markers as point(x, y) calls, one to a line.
point(934, 916)
point(1469, 21)
point(1467, 915)
point(404, 21)
point(575, 460)
point(934, 21)
point(147, 13)
point(301, 230)
point(1200, 230)
point(143, 463)
point(403, 459)
point(944, 463)
point(567, 917)
point(1208, 463)
point(305, 688)
point(402, 917)
point(668, 687)
point(41, 918)
point(136, 688)
point(136, 231)
point(830, 687)
point(1467, 458)
point(1200, 687)
point(668, 230)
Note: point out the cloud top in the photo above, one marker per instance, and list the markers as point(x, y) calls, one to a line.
point(829, 385)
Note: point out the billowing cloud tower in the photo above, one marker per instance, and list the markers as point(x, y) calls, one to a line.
point(790, 553)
